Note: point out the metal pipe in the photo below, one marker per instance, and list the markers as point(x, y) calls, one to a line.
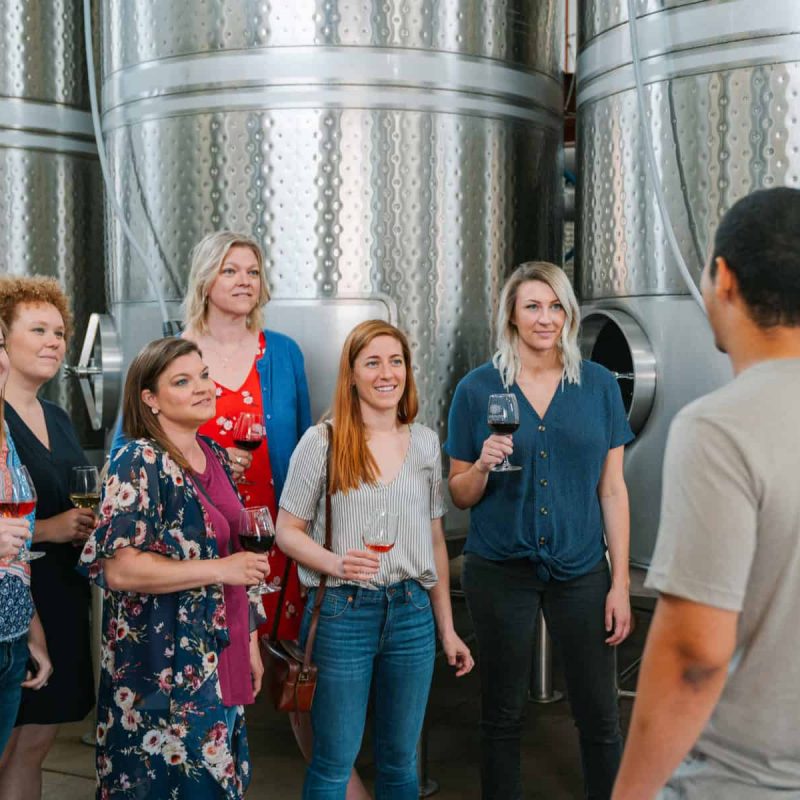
point(541, 686)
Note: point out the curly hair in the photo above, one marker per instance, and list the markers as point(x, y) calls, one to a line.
point(15, 290)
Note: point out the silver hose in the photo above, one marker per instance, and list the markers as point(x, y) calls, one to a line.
point(101, 152)
point(652, 166)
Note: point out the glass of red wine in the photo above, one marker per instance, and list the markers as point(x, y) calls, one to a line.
point(380, 535)
point(17, 500)
point(503, 419)
point(248, 433)
point(257, 535)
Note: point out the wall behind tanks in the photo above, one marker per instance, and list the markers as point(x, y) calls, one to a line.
point(50, 190)
point(408, 150)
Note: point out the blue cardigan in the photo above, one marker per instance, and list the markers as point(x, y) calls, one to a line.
point(284, 397)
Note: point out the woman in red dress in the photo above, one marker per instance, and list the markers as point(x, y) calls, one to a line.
point(257, 487)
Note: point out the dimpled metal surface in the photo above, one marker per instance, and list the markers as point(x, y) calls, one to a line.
point(722, 126)
point(50, 211)
point(416, 182)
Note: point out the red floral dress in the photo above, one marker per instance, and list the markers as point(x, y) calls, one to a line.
point(260, 492)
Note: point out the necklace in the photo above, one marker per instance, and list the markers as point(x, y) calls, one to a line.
point(228, 354)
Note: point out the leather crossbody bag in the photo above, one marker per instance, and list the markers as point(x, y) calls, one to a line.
point(291, 674)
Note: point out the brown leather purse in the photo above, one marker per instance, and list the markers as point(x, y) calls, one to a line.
point(291, 675)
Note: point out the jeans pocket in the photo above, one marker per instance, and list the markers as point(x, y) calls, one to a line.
point(333, 605)
point(420, 598)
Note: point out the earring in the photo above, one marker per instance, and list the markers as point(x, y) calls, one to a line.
point(154, 410)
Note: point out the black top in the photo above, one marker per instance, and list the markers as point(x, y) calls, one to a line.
point(60, 594)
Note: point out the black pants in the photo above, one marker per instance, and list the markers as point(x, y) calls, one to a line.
point(504, 598)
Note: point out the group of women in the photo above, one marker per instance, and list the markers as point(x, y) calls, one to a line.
point(180, 656)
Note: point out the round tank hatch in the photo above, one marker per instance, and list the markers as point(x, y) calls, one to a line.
point(615, 340)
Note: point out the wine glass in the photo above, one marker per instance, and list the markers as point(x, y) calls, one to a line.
point(380, 535)
point(84, 487)
point(257, 535)
point(248, 433)
point(503, 419)
point(17, 500)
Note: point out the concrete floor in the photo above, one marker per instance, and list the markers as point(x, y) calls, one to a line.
point(550, 760)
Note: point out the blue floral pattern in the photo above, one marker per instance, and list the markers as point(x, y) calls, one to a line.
point(161, 730)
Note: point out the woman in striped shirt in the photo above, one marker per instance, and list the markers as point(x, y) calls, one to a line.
point(380, 633)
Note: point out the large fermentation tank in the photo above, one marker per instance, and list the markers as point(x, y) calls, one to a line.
point(51, 211)
point(722, 97)
point(395, 158)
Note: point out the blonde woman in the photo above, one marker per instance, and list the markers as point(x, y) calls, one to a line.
point(538, 537)
point(377, 636)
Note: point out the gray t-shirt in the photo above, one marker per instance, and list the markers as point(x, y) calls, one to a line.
point(730, 538)
point(415, 495)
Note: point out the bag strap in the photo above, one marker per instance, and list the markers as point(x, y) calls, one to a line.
point(323, 579)
point(312, 630)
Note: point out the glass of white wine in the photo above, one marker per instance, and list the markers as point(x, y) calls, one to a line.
point(84, 488)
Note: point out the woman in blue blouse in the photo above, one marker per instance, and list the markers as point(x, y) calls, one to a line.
point(21, 632)
point(538, 537)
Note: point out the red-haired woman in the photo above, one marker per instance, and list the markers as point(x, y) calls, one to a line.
point(379, 634)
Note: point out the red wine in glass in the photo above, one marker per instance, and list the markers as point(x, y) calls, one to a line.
point(257, 535)
point(379, 548)
point(503, 428)
point(16, 509)
point(18, 499)
point(247, 444)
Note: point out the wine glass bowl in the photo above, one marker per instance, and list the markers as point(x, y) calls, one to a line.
point(380, 534)
point(248, 432)
point(257, 535)
point(17, 500)
point(84, 489)
point(503, 419)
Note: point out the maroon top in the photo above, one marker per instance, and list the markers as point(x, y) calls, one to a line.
point(234, 661)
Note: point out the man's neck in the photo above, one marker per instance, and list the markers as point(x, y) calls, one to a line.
point(754, 345)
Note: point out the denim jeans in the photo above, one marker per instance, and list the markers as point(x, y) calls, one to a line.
point(13, 660)
point(382, 640)
point(504, 598)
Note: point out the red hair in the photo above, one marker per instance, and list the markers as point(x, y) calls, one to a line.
point(351, 462)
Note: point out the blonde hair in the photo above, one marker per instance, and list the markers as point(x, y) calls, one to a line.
point(506, 359)
point(208, 256)
point(351, 461)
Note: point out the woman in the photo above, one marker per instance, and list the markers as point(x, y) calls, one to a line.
point(178, 660)
point(39, 322)
point(259, 371)
point(537, 538)
point(21, 633)
point(379, 635)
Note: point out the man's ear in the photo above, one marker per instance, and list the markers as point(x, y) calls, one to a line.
point(726, 284)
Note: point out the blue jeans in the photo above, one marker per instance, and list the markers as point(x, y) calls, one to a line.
point(13, 660)
point(381, 639)
point(504, 598)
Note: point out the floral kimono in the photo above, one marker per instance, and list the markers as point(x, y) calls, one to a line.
point(161, 732)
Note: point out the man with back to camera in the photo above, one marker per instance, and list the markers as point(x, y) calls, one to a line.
point(717, 716)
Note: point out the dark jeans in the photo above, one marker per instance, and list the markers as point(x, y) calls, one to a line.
point(13, 660)
point(504, 598)
point(382, 640)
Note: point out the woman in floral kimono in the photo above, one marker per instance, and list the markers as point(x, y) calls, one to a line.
point(178, 659)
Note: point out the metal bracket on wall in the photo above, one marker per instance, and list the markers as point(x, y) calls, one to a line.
point(99, 371)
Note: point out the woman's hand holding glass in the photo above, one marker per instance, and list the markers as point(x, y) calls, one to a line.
point(14, 535)
point(495, 450)
point(356, 566)
point(244, 569)
point(17, 500)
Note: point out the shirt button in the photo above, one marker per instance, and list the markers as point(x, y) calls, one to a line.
point(542, 540)
point(543, 481)
point(543, 511)
point(543, 453)
point(542, 428)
